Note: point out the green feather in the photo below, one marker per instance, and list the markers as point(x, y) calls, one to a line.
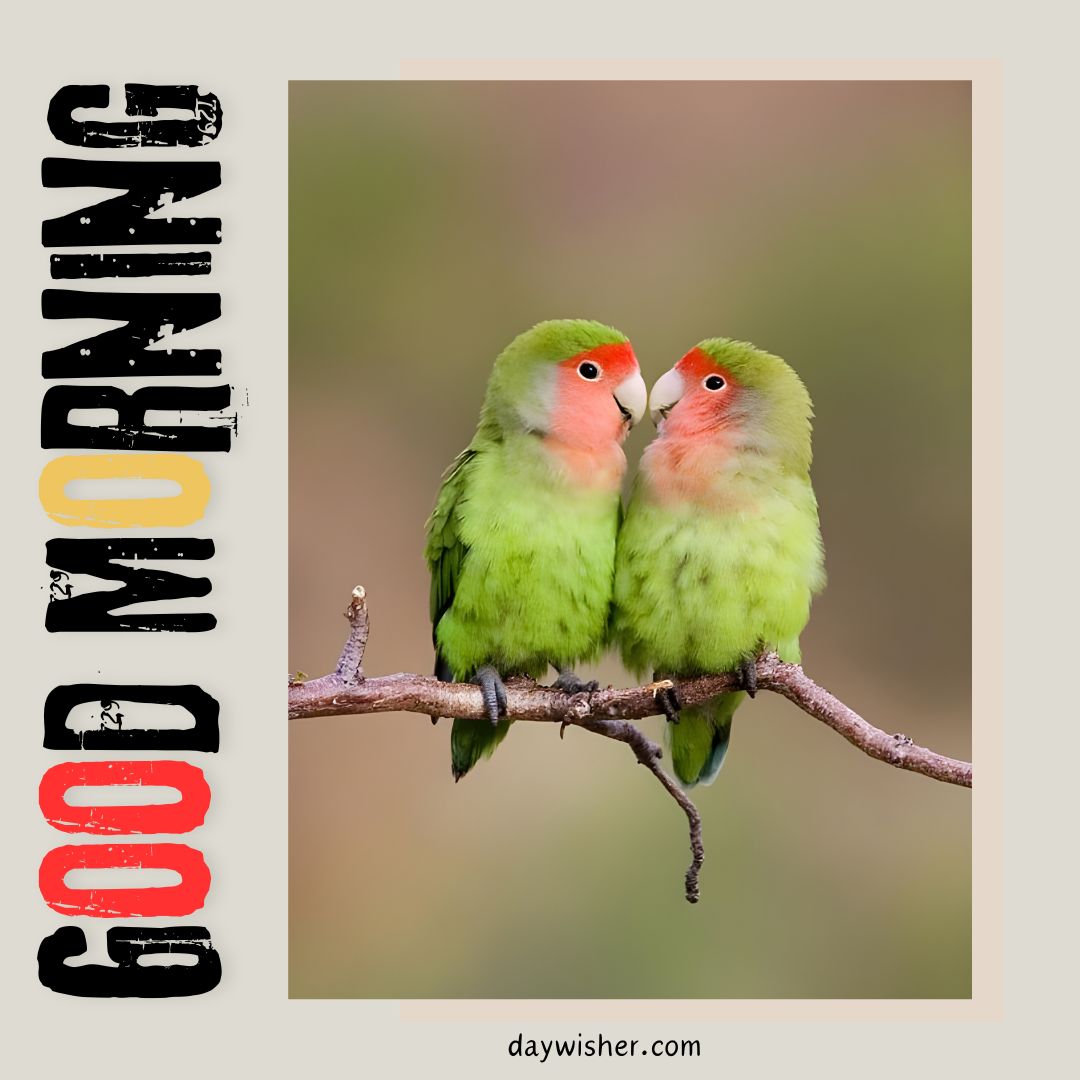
point(521, 561)
point(701, 585)
point(445, 551)
point(699, 741)
point(471, 740)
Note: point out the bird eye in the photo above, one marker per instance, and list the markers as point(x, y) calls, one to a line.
point(588, 370)
point(714, 382)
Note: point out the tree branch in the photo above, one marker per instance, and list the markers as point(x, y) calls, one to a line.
point(604, 712)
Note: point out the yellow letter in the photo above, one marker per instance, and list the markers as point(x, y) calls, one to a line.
point(173, 510)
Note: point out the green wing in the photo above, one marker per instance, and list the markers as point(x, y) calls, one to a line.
point(445, 551)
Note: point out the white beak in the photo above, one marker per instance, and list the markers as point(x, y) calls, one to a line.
point(631, 395)
point(666, 392)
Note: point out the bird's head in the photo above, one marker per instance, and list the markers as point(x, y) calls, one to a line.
point(574, 380)
point(732, 391)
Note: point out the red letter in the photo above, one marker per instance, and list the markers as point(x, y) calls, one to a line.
point(170, 900)
point(179, 817)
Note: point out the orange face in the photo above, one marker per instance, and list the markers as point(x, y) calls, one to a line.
point(599, 395)
point(696, 396)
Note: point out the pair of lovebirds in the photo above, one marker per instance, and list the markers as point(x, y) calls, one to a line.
point(534, 562)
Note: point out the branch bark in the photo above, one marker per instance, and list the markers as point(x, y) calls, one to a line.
point(605, 712)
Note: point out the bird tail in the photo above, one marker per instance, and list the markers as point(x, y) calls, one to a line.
point(471, 740)
point(699, 741)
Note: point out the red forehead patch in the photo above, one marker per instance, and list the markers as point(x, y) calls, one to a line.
point(616, 358)
point(697, 364)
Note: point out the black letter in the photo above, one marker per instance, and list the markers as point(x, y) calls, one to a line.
point(125, 736)
point(130, 432)
point(129, 264)
point(92, 611)
point(150, 317)
point(142, 100)
point(131, 979)
point(148, 186)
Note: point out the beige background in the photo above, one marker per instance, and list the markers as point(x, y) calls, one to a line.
point(248, 1022)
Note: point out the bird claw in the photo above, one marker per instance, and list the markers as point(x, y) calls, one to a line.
point(569, 683)
point(493, 691)
point(666, 696)
point(748, 675)
point(669, 704)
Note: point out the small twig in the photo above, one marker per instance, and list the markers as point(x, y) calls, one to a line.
point(604, 712)
point(649, 755)
point(350, 665)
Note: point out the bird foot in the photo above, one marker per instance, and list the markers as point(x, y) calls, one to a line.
point(493, 691)
point(569, 683)
point(665, 695)
point(748, 675)
point(668, 701)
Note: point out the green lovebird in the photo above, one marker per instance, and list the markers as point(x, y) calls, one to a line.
point(720, 551)
point(521, 543)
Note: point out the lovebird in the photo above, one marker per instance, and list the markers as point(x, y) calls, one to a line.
point(521, 543)
point(720, 551)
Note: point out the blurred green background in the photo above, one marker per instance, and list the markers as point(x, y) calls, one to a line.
point(827, 222)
